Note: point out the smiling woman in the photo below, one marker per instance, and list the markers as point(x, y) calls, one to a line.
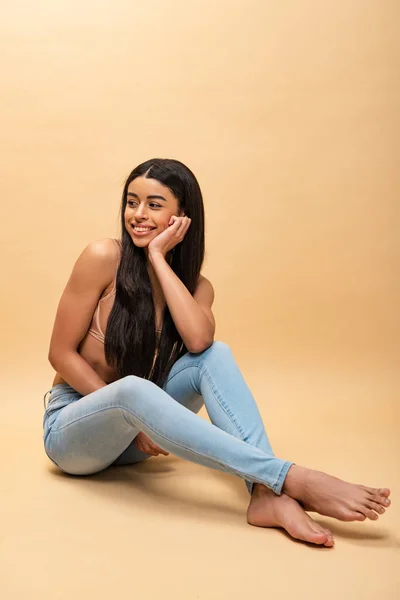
point(128, 301)
point(158, 199)
point(137, 212)
point(133, 392)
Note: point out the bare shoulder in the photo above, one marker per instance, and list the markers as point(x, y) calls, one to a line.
point(204, 281)
point(204, 296)
point(91, 273)
point(102, 251)
point(204, 288)
point(96, 263)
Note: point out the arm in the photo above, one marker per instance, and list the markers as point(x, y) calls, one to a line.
point(91, 274)
point(192, 315)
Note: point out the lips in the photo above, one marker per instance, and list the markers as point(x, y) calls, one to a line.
point(144, 231)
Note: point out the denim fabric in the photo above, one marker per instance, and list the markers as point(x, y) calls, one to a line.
point(86, 434)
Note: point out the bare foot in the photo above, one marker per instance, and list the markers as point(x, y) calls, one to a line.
point(334, 497)
point(266, 509)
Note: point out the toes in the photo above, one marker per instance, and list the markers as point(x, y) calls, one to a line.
point(376, 507)
point(350, 515)
point(370, 514)
point(382, 494)
point(382, 500)
point(379, 495)
point(330, 542)
point(365, 509)
point(319, 537)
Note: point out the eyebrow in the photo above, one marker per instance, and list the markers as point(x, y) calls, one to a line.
point(153, 197)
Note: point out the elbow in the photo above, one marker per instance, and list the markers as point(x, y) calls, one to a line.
point(52, 359)
point(200, 346)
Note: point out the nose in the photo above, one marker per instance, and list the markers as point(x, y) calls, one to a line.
point(141, 212)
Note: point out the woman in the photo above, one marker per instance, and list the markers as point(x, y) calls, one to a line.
point(133, 348)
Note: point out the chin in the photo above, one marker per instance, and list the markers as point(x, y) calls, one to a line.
point(139, 242)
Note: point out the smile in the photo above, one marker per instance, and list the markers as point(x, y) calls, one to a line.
point(142, 230)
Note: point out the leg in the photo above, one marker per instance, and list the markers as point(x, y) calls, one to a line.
point(185, 396)
point(214, 376)
point(231, 406)
point(88, 435)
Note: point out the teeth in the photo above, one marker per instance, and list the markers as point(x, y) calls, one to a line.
point(143, 228)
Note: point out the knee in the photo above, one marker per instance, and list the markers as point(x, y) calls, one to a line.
point(131, 383)
point(128, 381)
point(134, 393)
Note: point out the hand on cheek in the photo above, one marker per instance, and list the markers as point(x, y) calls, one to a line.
point(173, 235)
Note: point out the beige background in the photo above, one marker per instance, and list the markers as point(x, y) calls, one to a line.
point(287, 112)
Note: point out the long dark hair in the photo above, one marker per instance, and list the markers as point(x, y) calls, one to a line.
point(130, 339)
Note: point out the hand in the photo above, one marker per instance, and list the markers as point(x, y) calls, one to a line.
point(170, 237)
point(144, 444)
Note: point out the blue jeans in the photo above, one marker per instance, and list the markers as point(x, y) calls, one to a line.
point(86, 434)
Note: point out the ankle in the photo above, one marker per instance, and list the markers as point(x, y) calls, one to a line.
point(260, 490)
point(294, 482)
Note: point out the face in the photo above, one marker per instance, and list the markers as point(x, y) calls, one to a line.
point(149, 206)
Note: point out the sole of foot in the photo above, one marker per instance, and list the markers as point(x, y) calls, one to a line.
point(266, 509)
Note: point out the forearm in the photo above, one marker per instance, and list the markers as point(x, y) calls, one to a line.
point(77, 372)
point(193, 325)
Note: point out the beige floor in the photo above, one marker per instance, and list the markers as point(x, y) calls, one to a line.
point(172, 529)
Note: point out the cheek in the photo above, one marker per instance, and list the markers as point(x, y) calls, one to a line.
point(163, 222)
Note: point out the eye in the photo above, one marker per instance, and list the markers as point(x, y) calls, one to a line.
point(152, 204)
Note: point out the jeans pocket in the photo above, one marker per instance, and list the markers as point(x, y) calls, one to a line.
point(58, 400)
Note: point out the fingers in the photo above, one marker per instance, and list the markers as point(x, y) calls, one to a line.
point(145, 445)
point(152, 452)
point(154, 448)
point(164, 452)
point(155, 451)
point(172, 236)
point(183, 227)
point(149, 450)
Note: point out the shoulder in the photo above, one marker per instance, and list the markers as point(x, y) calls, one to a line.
point(97, 261)
point(102, 252)
point(103, 248)
point(204, 288)
point(204, 281)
